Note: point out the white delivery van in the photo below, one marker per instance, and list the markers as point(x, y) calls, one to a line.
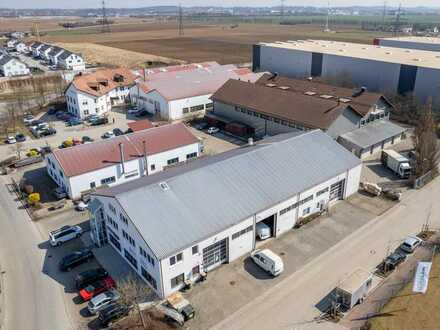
point(262, 230)
point(269, 261)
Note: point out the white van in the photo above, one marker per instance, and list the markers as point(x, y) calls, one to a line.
point(262, 230)
point(269, 261)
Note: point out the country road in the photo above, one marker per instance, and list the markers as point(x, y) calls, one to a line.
point(31, 300)
point(291, 304)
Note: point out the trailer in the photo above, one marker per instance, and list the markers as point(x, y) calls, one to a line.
point(397, 163)
point(27, 161)
point(354, 288)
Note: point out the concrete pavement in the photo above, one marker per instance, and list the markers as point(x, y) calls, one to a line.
point(32, 300)
point(291, 303)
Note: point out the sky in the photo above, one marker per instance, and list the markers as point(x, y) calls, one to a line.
point(143, 3)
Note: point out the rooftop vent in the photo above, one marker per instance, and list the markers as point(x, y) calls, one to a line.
point(284, 87)
point(388, 53)
point(271, 85)
point(164, 186)
point(325, 96)
point(416, 59)
point(344, 100)
point(310, 93)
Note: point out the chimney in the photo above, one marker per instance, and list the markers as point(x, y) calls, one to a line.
point(250, 141)
point(144, 144)
point(121, 153)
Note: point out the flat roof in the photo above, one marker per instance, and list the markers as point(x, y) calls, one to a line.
point(355, 280)
point(414, 57)
point(373, 133)
point(192, 202)
point(424, 40)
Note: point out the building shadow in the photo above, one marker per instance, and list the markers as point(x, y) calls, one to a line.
point(42, 183)
point(381, 171)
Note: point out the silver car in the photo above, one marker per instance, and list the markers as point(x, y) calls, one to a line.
point(102, 300)
point(64, 234)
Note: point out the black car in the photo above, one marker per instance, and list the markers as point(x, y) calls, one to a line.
point(86, 138)
point(20, 137)
point(99, 121)
point(141, 113)
point(117, 132)
point(112, 313)
point(394, 259)
point(75, 259)
point(89, 276)
point(47, 131)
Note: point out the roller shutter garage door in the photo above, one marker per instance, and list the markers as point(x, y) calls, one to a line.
point(337, 190)
point(215, 254)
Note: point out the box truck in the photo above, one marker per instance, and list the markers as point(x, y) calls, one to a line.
point(397, 163)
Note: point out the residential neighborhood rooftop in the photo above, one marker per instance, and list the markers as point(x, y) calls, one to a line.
point(369, 52)
point(93, 156)
point(194, 201)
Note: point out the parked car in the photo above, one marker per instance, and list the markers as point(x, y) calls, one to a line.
point(59, 193)
point(262, 230)
point(11, 140)
point(81, 206)
point(394, 259)
point(213, 130)
point(133, 110)
point(201, 126)
point(51, 111)
point(27, 119)
point(142, 113)
point(102, 300)
point(20, 137)
point(112, 313)
point(117, 132)
point(99, 121)
point(73, 122)
point(268, 261)
point(89, 276)
point(86, 139)
point(64, 234)
point(96, 288)
point(75, 259)
point(108, 135)
point(47, 131)
point(410, 244)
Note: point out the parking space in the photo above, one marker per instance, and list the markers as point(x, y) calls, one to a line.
point(216, 143)
point(242, 281)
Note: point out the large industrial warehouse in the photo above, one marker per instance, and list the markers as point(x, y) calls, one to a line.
point(410, 42)
point(202, 214)
point(378, 68)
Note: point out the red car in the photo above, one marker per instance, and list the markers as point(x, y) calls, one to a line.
point(96, 288)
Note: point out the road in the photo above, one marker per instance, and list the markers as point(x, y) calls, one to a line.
point(290, 304)
point(31, 299)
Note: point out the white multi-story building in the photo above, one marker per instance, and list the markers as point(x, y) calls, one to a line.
point(378, 68)
point(121, 159)
point(71, 61)
point(97, 92)
point(173, 226)
point(182, 92)
point(10, 66)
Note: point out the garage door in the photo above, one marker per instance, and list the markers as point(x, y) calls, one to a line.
point(337, 190)
point(215, 254)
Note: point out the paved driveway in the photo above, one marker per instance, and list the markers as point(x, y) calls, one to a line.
point(232, 286)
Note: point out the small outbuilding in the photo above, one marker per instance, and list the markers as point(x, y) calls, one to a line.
point(354, 288)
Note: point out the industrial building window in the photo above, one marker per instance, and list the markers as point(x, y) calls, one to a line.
point(179, 279)
point(130, 258)
point(114, 241)
point(179, 257)
point(112, 222)
point(152, 167)
point(123, 218)
point(289, 208)
point(306, 211)
point(173, 161)
point(191, 155)
point(148, 278)
point(237, 108)
point(128, 238)
point(112, 208)
point(242, 232)
point(305, 200)
point(176, 258)
point(209, 106)
point(92, 185)
point(323, 191)
point(185, 110)
point(195, 249)
point(108, 180)
point(197, 108)
point(276, 120)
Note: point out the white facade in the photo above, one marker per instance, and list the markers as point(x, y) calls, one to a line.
point(13, 67)
point(171, 110)
point(81, 104)
point(72, 62)
point(169, 273)
point(115, 175)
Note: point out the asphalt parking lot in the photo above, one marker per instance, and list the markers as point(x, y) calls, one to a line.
point(242, 281)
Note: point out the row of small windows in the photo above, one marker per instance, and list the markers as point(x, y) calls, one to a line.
point(295, 205)
point(128, 238)
point(148, 278)
point(207, 106)
point(112, 222)
point(275, 120)
point(242, 232)
point(130, 258)
point(108, 180)
point(323, 191)
point(177, 258)
point(146, 255)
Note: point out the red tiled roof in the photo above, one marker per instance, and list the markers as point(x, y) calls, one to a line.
point(94, 156)
point(140, 125)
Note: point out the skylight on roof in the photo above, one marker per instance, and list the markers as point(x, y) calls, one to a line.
point(164, 186)
point(325, 96)
point(271, 85)
point(344, 100)
point(284, 87)
point(310, 93)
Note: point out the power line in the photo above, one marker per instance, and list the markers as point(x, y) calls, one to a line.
point(327, 28)
point(105, 26)
point(282, 9)
point(384, 14)
point(397, 20)
point(181, 33)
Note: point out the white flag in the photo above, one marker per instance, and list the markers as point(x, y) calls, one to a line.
point(421, 277)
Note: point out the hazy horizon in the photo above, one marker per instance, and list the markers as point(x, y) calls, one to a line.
point(80, 4)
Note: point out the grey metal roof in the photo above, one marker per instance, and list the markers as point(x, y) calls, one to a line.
point(55, 50)
point(373, 133)
point(65, 54)
point(45, 47)
point(212, 194)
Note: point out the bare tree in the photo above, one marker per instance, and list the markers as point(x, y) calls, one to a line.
point(425, 141)
point(132, 292)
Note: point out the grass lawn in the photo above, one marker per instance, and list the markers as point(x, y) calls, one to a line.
point(408, 310)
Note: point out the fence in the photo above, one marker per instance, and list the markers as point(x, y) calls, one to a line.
point(424, 179)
